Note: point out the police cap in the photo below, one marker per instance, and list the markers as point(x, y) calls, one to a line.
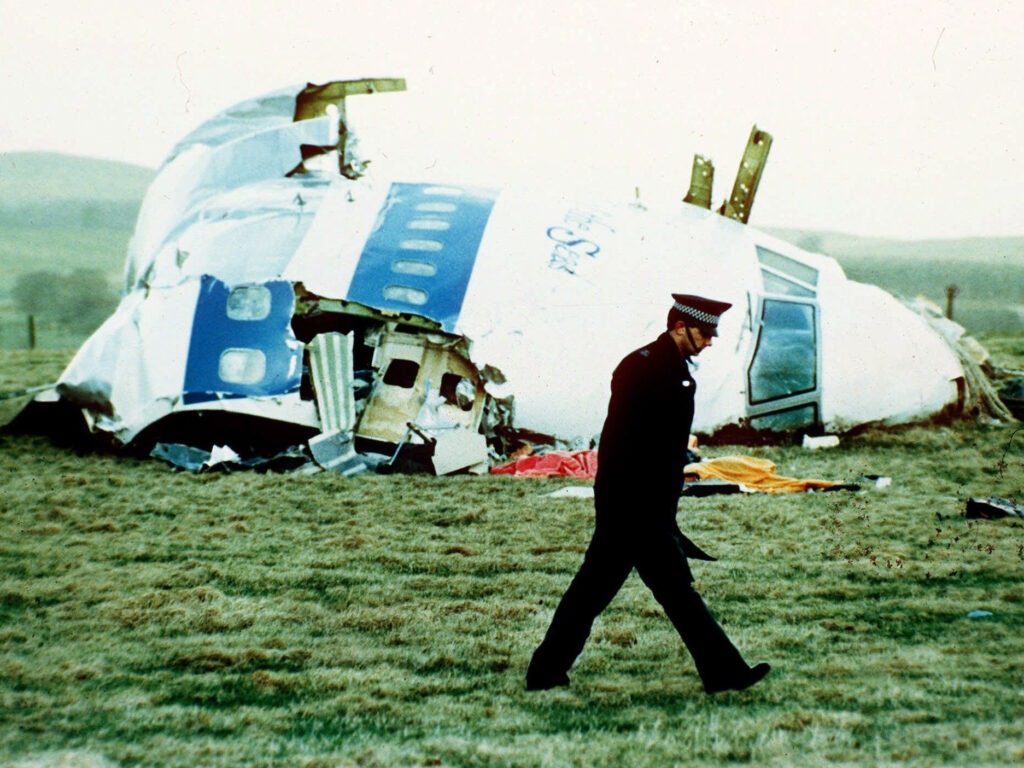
point(703, 311)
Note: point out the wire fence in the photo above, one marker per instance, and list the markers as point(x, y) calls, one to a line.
point(21, 331)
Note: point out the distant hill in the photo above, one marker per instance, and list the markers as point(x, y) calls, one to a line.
point(49, 189)
point(42, 176)
point(980, 250)
point(63, 213)
point(988, 272)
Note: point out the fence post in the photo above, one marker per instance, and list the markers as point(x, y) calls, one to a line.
point(951, 292)
point(31, 331)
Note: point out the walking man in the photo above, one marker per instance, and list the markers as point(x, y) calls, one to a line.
point(641, 457)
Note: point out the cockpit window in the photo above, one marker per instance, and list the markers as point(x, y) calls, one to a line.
point(774, 283)
point(786, 420)
point(786, 276)
point(785, 361)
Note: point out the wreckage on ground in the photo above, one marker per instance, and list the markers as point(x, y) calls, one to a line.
point(277, 294)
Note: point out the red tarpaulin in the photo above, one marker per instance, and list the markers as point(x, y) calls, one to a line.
point(580, 464)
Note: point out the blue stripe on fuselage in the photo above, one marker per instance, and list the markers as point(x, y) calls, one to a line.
point(420, 255)
point(218, 328)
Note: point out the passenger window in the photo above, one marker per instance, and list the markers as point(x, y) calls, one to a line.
point(242, 366)
point(401, 373)
point(413, 267)
point(455, 389)
point(785, 361)
point(249, 302)
point(405, 294)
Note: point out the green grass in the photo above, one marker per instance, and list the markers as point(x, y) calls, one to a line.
point(150, 617)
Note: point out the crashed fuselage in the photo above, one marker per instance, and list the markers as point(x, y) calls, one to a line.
point(374, 314)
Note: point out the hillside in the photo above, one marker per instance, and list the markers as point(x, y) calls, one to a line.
point(41, 189)
point(1002, 251)
point(987, 272)
point(62, 213)
point(39, 179)
point(72, 217)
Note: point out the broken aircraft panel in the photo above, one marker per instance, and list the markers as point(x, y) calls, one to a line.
point(274, 294)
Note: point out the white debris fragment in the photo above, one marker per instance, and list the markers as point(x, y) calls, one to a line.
point(221, 454)
point(824, 441)
point(575, 492)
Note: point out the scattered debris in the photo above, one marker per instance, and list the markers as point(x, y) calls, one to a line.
point(880, 481)
point(824, 441)
point(978, 614)
point(978, 391)
point(1012, 395)
point(727, 474)
point(992, 508)
point(572, 492)
point(224, 459)
point(713, 487)
point(28, 391)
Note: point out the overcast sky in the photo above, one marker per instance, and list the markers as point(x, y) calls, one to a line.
point(892, 119)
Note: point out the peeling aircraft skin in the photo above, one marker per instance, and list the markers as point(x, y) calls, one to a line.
point(271, 281)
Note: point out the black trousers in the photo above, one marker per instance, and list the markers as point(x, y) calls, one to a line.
point(653, 548)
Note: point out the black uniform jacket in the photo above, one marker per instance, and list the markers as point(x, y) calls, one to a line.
point(642, 453)
point(642, 450)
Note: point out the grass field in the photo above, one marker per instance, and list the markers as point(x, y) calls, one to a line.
point(151, 617)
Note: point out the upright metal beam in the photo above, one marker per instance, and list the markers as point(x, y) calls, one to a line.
point(702, 178)
point(748, 177)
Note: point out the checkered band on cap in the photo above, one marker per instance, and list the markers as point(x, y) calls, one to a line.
point(697, 314)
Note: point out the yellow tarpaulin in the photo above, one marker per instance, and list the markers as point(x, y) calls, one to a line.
point(753, 473)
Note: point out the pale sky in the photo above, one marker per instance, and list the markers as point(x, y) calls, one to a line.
point(890, 119)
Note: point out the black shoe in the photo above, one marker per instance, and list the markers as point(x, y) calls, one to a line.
point(747, 678)
point(544, 683)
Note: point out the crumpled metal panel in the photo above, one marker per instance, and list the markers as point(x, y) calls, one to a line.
point(203, 173)
point(250, 116)
point(424, 398)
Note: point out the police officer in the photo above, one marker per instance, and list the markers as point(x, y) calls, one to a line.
point(641, 457)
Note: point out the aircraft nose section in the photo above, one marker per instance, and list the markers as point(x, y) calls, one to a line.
point(881, 357)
